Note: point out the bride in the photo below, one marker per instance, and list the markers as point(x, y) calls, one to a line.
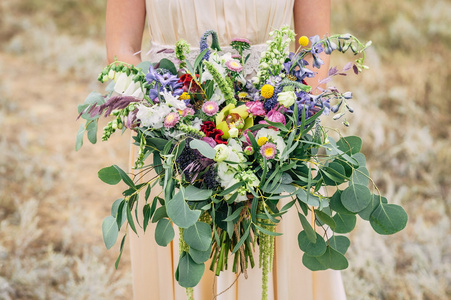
point(169, 21)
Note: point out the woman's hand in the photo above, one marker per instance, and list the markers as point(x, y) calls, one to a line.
point(124, 28)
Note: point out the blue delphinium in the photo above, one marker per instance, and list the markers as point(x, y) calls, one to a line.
point(163, 81)
point(317, 48)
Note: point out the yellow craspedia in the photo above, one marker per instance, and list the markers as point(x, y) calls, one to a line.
point(262, 140)
point(267, 91)
point(184, 96)
point(303, 41)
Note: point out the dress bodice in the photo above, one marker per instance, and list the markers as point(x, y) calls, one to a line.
point(171, 20)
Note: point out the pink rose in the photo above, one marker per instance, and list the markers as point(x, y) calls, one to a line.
point(255, 108)
point(274, 116)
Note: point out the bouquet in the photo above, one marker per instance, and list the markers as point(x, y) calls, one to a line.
point(227, 151)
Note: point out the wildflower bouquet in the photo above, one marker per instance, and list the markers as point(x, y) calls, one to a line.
point(227, 150)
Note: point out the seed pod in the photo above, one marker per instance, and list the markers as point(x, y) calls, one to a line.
point(338, 116)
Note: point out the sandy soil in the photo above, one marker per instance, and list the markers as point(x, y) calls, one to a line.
point(42, 120)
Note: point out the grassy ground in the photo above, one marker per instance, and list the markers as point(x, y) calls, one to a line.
point(51, 207)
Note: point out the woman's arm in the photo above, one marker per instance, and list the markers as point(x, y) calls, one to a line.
point(312, 17)
point(124, 28)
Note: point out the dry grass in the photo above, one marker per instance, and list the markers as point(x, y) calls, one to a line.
point(50, 243)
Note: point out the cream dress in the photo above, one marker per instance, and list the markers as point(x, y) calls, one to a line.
point(153, 266)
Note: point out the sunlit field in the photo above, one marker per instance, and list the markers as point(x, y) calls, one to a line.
point(52, 203)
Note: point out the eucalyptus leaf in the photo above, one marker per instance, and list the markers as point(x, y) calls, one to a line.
point(200, 256)
point(109, 231)
point(125, 177)
point(115, 207)
point(334, 174)
point(198, 236)
point(350, 144)
point(109, 175)
point(180, 213)
point(193, 193)
point(317, 248)
point(144, 66)
point(360, 176)
point(91, 129)
point(360, 158)
point(204, 148)
point(168, 65)
point(336, 205)
point(339, 243)
point(79, 140)
point(325, 218)
point(188, 271)
point(331, 259)
point(308, 199)
point(345, 222)
point(164, 233)
point(159, 214)
point(356, 197)
point(311, 234)
point(375, 200)
point(388, 218)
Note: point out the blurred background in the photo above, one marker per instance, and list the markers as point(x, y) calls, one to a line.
point(52, 203)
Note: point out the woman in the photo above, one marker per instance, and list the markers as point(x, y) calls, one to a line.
point(170, 20)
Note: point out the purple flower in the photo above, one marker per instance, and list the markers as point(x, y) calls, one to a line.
point(165, 80)
point(316, 46)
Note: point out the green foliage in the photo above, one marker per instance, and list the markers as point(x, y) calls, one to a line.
point(110, 175)
point(388, 218)
point(188, 272)
point(180, 213)
point(110, 231)
point(356, 197)
point(331, 259)
point(316, 248)
point(198, 236)
point(204, 148)
point(164, 233)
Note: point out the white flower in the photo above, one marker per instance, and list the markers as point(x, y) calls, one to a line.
point(222, 152)
point(217, 96)
point(286, 98)
point(152, 116)
point(125, 86)
point(233, 132)
point(235, 153)
point(226, 174)
point(173, 101)
point(197, 123)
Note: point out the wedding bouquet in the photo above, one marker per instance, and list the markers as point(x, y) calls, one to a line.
point(228, 150)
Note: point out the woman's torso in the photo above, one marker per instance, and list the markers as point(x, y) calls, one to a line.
point(171, 20)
